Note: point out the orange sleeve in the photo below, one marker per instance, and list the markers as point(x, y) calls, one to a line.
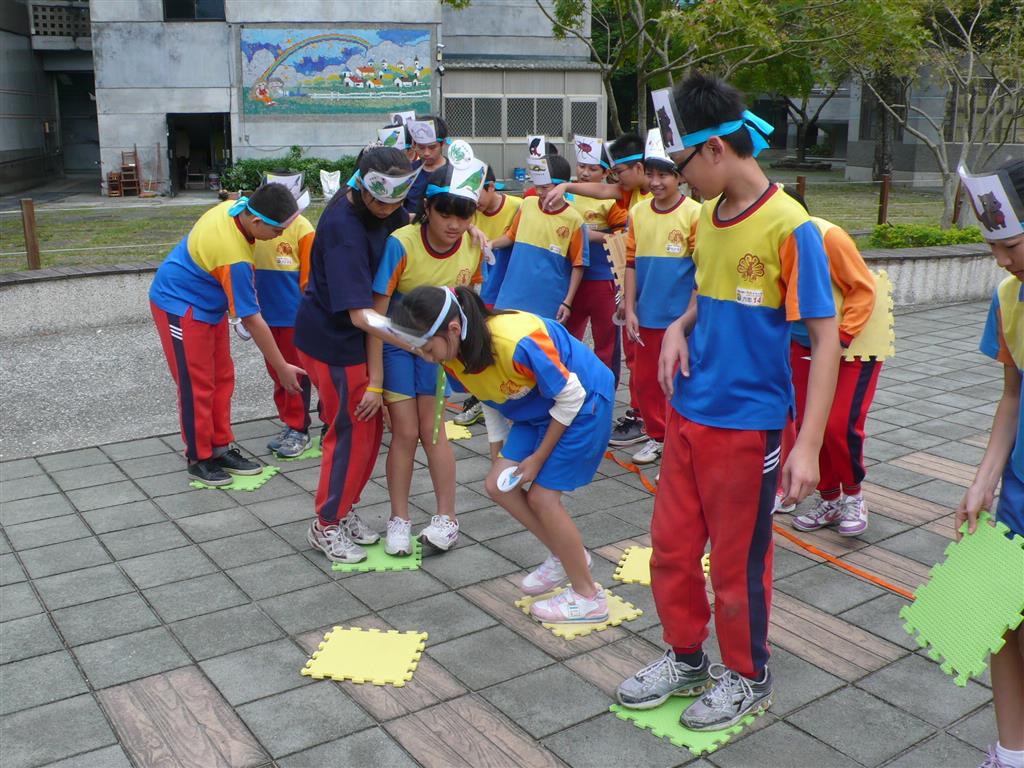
point(575, 254)
point(223, 276)
point(630, 245)
point(1004, 355)
point(789, 253)
point(691, 241)
point(478, 275)
point(513, 228)
point(305, 248)
point(617, 217)
point(854, 279)
point(625, 198)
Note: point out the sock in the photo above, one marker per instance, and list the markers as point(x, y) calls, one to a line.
point(690, 658)
point(1013, 758)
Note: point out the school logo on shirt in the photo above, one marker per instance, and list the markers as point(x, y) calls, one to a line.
point(675, 242)
point(463, 277)
point(562, 231)
point(588, 217)
point(285, 255)
point(751, 268)
point(513, 391)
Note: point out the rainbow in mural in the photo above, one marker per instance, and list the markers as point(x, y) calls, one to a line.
point(288, 72)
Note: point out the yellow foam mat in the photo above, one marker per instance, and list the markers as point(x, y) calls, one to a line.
point(456, 431)
point(618, 611)
point(878, 338)
point(635, 566)
point(367, 656)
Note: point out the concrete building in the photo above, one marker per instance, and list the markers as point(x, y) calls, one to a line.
point(193, 84)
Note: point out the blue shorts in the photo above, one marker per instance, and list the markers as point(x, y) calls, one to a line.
point(1010, 510)
point(407, 375)
point(577, 454)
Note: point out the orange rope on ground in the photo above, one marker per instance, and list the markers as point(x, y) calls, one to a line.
point(786, 534)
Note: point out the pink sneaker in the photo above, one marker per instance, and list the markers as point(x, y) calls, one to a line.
point(546, 576)
point(825, 514)
point(854, 516)
point(570, 607)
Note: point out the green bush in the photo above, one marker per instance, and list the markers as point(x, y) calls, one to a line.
point(920, 235)
point(246, 174)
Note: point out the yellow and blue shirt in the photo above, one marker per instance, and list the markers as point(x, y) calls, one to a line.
point(282, 270)
point(603, 216)
point(659, 246)
point(1003, 340)
point(494, 225)
point(755, 274)
point(548, 245)
point(211, 271)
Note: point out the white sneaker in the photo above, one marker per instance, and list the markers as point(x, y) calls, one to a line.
point(358, 531)
point(570, 607)
point(649, 454)
point(333, 542)
point(546, 576)
point(780, 507)
point(442, 533)
point(826, 513)
point(399, 537)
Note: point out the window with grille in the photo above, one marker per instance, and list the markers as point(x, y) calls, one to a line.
point(487, 117)
point(60, 19)
point(467, 116)
point(583, 118)
point(519, 114)
point(458, 113)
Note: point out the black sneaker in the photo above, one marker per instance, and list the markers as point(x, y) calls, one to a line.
point(629, 430)
point(208, 472)
point(232, 461)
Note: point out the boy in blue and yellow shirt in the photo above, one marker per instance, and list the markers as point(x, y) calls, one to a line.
point(760, 265)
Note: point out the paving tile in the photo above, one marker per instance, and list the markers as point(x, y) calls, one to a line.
point(798, 682)
point(881, 617)
point(143, 540)
point(217, 525)
point(600, 528)
point(912, 438)
point(123, 516)
point(133, 449)
point(27, 637)
point(940, 492)
point(82, 586)
point(860, 726)
point(940, 752)
point(880, 450)
point(880, 528)
point(165, 567)
point(924, 546)
point(11, 571)
point(86, 477)
point(468, 565)
point(82, 728)
point(246, 548)
point(786, 563)
point(194, 502)
point(215, 634)
point(305, 609)
point(34, 508)
point(307, 478)
point(294, 534)
point(130, 657)
point(608, 741)
point(488, 523)
point(13, 470)
point(258, 428)
point(147, 466)
point(108, 757)
point(962, 452)
point(85, 457)
point(442, 617)
point(26, 488)
point(48, 531)
point(788, 748)
point(277, 576)
point(18, 600)
point(278, 487)
point(826, 588)
point(602, 494)
point(100, 619)
point(174, 483)
point(60, 558)
point(568, 699)
point(521, 548)
point(978, 730)
point(39, 680)
point(383, 590)
point(472, 658)
point(370, 747)
point(302, 718)
point(193, 597)
point(109, 495)
point(256, 672)
point(896, 478)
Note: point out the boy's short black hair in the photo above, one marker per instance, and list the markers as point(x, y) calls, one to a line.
point(445, 202)
point(440, 126)
point(704, 101)
point(275, 201)
point(627, 145)
point(660, 164)
point(790, 190)
point(558, 167)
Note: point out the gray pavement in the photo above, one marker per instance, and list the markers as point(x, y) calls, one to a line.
point(145, 623)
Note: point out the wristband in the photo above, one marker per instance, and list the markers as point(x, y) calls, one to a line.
point(567, 306)
point(376, 390)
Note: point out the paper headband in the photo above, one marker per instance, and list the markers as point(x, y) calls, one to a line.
point(296, 185)
point(669, 123)
point(412, 338)
point(996, 204)
point(388, 189)
point(423, 131)
point(467, 173)
point(392, 137)
point(403, 118)
point(589, 151)
point(756, 127)
point(654, 149)
point(242, 204)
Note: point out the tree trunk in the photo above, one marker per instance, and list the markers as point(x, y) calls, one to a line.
point(801, 141)
point(884, 125)
point(641, 102)
point(949, 181)
point(614, 123)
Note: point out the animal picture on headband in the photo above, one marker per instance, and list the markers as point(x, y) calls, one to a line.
point(996, 205)
point(460, 154)
point(468, 180)
point(668, 123)
point(403, 118)
point(296, 185)
point(537, 167)
point(423, 131)
point(588, 150)
point(392, 137)
point(536, 146)
point(389, 189)
point(655, 149)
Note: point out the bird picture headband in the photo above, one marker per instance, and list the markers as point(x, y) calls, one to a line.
point(756, 127)
point(388, 189)
point(393, 137)
point(589, 151)
point(467, 173)
point(996, 204)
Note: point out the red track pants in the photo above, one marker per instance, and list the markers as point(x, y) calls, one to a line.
point(653, 404)
point(841, 461)
point(595, 302)
point(293, 410)
point(629, 349)
point(718, 484)
point(199, 357)
point(350, 446)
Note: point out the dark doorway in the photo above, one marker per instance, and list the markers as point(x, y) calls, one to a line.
point(79, 131)
point(198, 149)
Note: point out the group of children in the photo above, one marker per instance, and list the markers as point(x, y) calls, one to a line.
point(726, 306)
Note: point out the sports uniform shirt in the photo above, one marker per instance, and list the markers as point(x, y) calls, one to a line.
point(533, 360)
point(282, 270)
point(755, 274)
point(659, 246)
point(853, 286)
point(413, 202)
point(548, 245)
point(1003, 340)
point(603, 216)
point(410, 262)
point(631, 197)
point(493, 225)
point(210, 271)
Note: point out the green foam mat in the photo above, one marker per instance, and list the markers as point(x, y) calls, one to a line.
point(313, 452)
point(970, 600)
point(379, 560)
point(241, 482)
point(664, 723)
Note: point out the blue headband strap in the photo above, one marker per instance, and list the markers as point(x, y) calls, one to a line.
point(559, 181)
point(357, 176)
point(627, 159)
point(756, 127)
point(433, 189)
point(242, 204)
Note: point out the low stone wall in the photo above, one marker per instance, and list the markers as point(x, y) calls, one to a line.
point(941, 275)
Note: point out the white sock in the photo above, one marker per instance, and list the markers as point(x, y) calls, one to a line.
point(1013, 758)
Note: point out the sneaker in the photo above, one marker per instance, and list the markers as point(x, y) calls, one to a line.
point(472, 412)
point(780, 507)
point(825, 514)
point(333, 542)
point(546, 576)
point(992, 760)
point(652, 685)
point(629, 430)
point(399, 537)
point(649, 454)
point(854, 519)
point(294, 444)
point(275, 442)
point(353, 527)
point(235, 463)
point(209, 472)
point(570, 607)
point(733, 698)
point(442, 533)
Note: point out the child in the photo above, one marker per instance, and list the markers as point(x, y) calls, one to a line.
point(658, 283)
point(558, 396)
point(546, 265)
point(760, 264)
point(344, 364)
point(429, 135)
point(494, 213)
point(206, 276)
point(282, 269)
point(435, 250)
point(841, 462)
point(595, 299)
point(1003, 340)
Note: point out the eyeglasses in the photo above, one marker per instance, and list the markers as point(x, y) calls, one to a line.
point(696, 151)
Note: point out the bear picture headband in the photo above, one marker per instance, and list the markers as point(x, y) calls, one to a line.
point(995, 202)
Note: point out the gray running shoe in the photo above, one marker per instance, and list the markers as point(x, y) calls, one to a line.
point(628, 430)
point(275, 442)
point(652, 685)
point(333, 542)
point(353, 527)
point(473, 411)
point(294, 444)
point(733, 698)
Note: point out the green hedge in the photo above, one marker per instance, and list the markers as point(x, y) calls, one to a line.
point(920, 235)
point(246, 174)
